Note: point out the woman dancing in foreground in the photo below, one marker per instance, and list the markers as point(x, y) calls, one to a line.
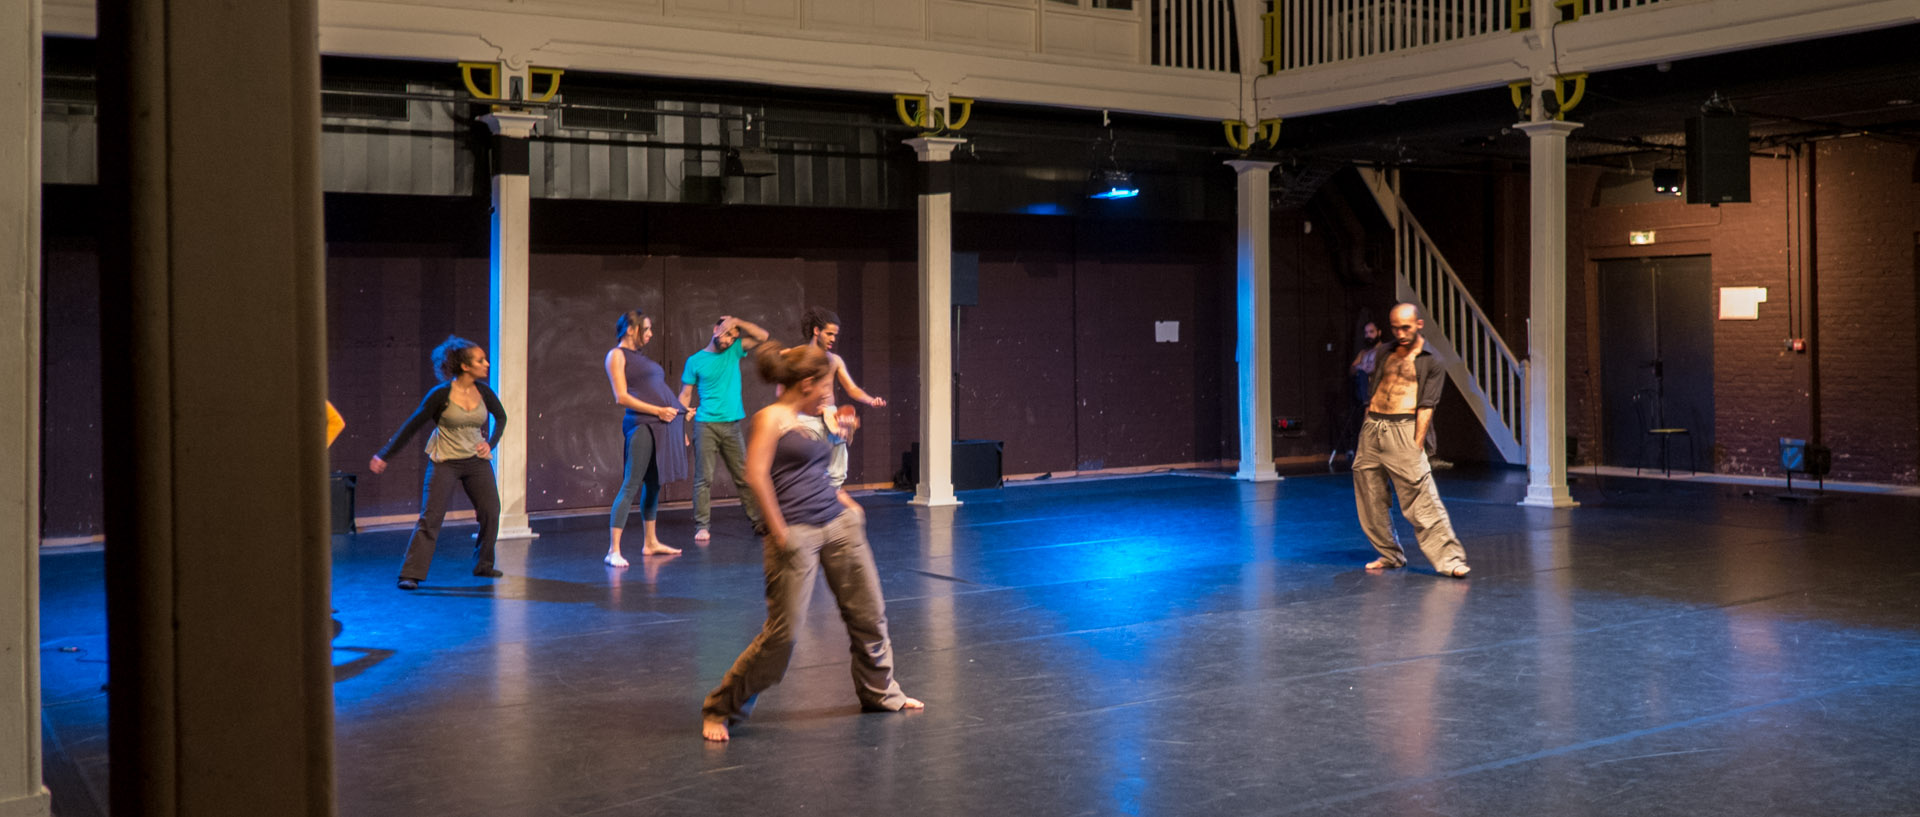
point(812, 527)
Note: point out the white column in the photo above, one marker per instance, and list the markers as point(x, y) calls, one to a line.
point(507, 344)
point(1547, 329)
point(1253, 336)
point(936, 320)
point(21, 790)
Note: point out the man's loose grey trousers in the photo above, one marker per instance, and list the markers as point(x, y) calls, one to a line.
point(1389, 461)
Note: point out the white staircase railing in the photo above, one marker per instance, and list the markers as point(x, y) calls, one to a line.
point(1478, 361)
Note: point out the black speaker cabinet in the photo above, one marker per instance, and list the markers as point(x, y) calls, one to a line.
point(976, 465)
point(340, 501)
point(1717, 165)
point(966, 279)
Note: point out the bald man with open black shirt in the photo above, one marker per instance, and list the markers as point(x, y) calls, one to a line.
point(1392, 458)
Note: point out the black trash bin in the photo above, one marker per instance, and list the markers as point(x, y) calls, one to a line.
point(340, 501)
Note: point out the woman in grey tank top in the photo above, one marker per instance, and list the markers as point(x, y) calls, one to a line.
point(813, 528)
point(459, 452)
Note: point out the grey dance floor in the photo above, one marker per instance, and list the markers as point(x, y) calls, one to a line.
point(1165, 644)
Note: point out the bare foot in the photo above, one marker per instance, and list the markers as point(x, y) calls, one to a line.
point(913, 703)
point(658, 549)
point(614, 559)
point(714, 729)
point(1459, 572)
point(1382, 564)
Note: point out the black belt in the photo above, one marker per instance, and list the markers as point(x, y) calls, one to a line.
point(1390, 417)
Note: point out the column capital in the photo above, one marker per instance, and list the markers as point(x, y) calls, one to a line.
point(1246, 165)
point(513, 124)
point(1548, 128)
point(935, 148)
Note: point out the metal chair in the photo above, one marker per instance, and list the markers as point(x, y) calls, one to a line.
point(1646, 404)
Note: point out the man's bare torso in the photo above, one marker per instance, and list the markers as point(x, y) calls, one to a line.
point(1399, 390)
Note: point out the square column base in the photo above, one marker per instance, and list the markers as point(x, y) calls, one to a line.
point(1548, 496)
point(33, 805)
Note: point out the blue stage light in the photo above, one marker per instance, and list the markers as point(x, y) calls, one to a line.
point(1114, 184)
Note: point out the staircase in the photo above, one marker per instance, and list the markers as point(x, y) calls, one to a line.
point(1478, 362)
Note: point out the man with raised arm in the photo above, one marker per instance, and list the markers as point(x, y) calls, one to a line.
point(714, 373)
point(1392, 457)
point(821, 327)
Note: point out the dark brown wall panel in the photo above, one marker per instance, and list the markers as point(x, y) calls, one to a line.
point(1014, 352)
point(1143, 402)
point(70, 451)
point(387, 307)
point(1057, 360)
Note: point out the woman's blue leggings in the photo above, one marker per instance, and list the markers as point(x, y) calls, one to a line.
point(642, 477)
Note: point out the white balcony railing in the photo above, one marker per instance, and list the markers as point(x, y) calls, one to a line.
point(1304, 33)
point(1197, 34)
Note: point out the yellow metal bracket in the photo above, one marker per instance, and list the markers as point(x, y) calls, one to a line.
point(1241, 135)
point(493, 79)
point(491, 72)
point(918, 111)
point(1562, 100)
point(553, 82)
point(1519, 10)
point(1270, 42)
point(1560, 95)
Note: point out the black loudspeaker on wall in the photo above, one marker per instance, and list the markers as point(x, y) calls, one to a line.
point(966, 279)
point(1717, 168)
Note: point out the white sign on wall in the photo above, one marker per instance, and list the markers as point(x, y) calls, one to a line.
point(1741, 303)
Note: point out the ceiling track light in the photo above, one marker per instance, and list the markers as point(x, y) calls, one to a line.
point(1107, 181)
point(1114, 184)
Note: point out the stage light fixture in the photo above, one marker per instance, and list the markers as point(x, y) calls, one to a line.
point(1108, 181)
point(1669, 181)
point(1113, 184)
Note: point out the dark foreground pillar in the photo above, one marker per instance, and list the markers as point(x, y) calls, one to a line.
point(214, 382)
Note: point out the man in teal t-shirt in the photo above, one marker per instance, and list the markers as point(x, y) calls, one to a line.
point(714, 372)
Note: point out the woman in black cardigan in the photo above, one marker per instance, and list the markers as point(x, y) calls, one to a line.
point(460, 450)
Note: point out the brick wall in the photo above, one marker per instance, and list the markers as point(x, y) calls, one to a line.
point(1868, 212)
point(1858, 214)
point(1865, 215)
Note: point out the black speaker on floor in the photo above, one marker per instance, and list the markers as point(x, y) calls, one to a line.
point(1717, 164)
point(340, 501)
point(976, 465)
